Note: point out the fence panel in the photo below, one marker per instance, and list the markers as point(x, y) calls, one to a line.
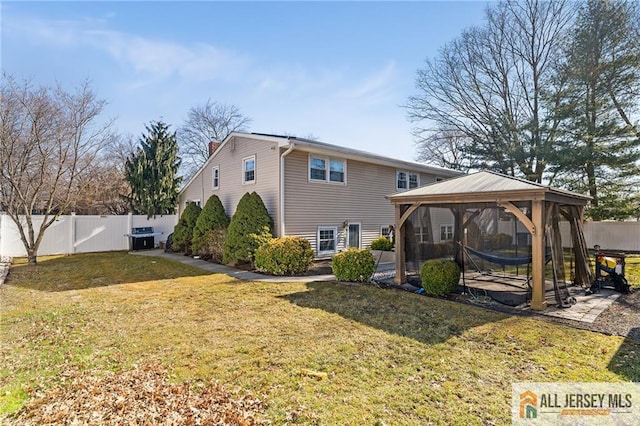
point(623, 236)
point(100, 233)
point(82, 234)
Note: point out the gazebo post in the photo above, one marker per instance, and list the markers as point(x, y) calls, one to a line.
point(538, 300)
point(401, 266)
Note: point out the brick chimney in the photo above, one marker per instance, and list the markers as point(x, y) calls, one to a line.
point(213, 145)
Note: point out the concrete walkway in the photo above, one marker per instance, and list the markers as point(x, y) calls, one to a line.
point(240, 274)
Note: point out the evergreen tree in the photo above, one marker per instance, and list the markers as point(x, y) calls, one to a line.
point(152, 172)
point(600, 150)
point(212, 217)
point(250, 226)
point(183, 231)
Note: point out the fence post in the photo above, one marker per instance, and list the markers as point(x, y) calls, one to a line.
point(72, 232)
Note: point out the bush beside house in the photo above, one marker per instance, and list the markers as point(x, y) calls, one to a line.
point(250, 227)
point(285, 256)
point(353, 265)
point(382, 243)
point(211, 221)
point(183, 231)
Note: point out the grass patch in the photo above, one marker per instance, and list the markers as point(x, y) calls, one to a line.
point(315, 353)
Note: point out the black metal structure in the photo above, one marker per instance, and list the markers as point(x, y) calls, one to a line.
point(142, 238)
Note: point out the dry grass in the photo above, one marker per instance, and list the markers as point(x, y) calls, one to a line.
point(319, 353)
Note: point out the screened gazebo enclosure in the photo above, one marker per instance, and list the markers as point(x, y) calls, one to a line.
point(473, 215)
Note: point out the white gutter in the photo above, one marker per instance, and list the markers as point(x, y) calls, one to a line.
point(292, 146)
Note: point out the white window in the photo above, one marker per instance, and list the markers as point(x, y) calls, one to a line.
point(317, 169)
point(422, 234)
point(215, 174)
point(413, 180)
point(327, 239)
point(439, 179)
point(336, 171)
point(327, 170)
point(196, 202)
point(446, 232)
point(406, 180)
point(401, 180)
point(385, 231)
point(249, 170)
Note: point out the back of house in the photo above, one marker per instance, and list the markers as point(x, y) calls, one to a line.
point(331, 195)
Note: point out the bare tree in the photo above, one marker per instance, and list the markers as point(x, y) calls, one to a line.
point(212, 121)
point(104, 187)
point(48, 139)
point(489, 85)
point(445, 148)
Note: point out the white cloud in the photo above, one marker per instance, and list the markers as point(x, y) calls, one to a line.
point(153, 59)
point(374, 88)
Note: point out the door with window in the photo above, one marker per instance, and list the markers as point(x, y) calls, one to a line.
point(353, 235)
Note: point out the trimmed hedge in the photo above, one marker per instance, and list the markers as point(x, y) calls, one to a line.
point(213, 244)
point(439, 276)
point(382, 243)
point(250, 227)
point(353, 265)
point(183, 231)
point(212, 217)
point(285, 256)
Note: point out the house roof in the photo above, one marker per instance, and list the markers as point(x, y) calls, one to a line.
point(486, 186)
point(312, 146)
point(318, 147)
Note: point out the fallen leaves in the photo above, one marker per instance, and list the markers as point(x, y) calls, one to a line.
point(141, 396)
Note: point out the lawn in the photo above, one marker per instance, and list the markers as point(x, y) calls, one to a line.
point(317, 353)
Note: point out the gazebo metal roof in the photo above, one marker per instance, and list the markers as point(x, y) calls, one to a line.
point(486, 186)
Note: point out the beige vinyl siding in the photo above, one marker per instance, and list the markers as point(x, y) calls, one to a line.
point(309, 204)
point(229, 159)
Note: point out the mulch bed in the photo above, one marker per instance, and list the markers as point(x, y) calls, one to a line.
point(141, 396)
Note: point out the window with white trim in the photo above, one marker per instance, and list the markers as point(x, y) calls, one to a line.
point(249, 170)
point(406, 180)
point(215, 177)
point(327, 239)
point(446, 232)
point(422, 234)
point(330, 170)
point(196, 202)
point(385, 231)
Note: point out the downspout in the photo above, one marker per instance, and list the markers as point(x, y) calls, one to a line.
point(292, 146)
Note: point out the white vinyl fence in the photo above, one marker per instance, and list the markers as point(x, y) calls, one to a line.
point(623, 236)
point(83, 234)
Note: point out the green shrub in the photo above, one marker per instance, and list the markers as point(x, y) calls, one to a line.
point(250, 226)
point(382, 243)
point(212, 217)
point(499, 241)
point(285, 256)
point(183, 231)
point(213, 244)
point(439, 276)
point(353, 265)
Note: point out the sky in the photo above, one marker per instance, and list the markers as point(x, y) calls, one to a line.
point(339, 72)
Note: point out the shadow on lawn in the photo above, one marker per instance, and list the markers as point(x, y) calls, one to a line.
point(421, 318)
point(90, 270)
point(626, 361)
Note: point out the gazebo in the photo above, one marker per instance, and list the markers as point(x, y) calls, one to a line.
point(537, 207)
